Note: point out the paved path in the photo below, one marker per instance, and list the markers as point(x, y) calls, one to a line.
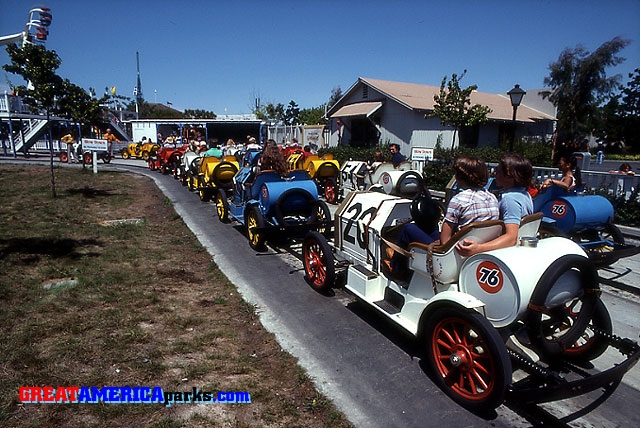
point(363, 363)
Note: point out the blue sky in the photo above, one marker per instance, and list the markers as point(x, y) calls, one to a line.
point(218, 55)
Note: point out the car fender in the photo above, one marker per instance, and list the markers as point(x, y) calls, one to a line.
point(449, 298)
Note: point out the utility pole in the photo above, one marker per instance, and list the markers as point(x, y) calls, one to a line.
point(139, 85)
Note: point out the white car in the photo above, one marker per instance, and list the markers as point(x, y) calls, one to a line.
point(472, 315)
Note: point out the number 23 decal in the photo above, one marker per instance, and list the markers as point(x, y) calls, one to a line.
point(357, 207)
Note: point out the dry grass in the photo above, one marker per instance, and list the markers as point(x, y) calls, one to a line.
point(150, 309)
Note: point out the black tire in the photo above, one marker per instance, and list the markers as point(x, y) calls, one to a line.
point(64, 158)
point(125, 153)
point(152, 165)
point(331, 190)
point(203, 192)
point(106, 158)
point(183, 177)
point(278, 210)
point(222, 206)
point(467, 357)
point(145, 155)
point(318, 262)
point(550, 328)
point(253, 220)
point(590, 346)
point(320, 212)
point(612, 236)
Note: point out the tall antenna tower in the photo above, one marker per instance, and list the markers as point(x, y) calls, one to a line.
point(139, 85)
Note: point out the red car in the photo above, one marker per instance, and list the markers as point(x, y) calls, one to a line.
point(167, 160)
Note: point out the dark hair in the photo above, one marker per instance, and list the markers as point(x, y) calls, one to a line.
point(573, 165)
point(272, 158)
point(624, 167)
point(425, 212)
point(518, 167)
point(471, 171)
point(397, 146)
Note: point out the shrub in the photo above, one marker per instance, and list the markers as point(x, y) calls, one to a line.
point(538, 152)
point(437, 174)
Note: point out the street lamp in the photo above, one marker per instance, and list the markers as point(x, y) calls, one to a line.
point(516, 95)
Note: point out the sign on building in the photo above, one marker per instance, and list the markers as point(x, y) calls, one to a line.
point(421, 154)
point(94, 144)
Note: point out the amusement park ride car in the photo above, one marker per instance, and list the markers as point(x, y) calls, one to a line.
point(534, 306)
point(269, 205)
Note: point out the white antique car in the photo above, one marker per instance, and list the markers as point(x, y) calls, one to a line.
point(472, 315)
point(380, 177)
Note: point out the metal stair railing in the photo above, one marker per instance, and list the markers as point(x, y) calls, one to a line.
point(30, 131)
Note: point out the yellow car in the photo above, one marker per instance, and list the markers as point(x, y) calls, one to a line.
point(215, 174)
point(140, 150)
point(323, 170)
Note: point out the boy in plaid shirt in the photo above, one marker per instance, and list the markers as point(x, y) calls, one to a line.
point(474, 203)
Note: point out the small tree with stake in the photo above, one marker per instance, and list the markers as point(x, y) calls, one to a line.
point(453, 106)
point(38, 66)
point(49, 92)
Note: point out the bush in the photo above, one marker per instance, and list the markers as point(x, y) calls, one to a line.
point(619, 157)
point(437, 174)
point(538, 152)
point(345, 153)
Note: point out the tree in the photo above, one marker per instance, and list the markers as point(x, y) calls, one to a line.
point(579, 85)
point(453, 106)
point(199, 114)
point(336, 94)
point(313, 116)
point(619, 119)
point(291, 114)
point(77, 104)
point(271, 112)
point(38, 66)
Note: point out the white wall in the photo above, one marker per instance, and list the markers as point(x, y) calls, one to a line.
point(144, 129)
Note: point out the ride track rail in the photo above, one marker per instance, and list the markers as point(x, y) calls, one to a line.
point(555, 387)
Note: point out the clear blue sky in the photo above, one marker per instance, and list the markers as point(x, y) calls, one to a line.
point(217, 55)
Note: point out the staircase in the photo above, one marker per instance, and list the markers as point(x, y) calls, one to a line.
point(32, 130)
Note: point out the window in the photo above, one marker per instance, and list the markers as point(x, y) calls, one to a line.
point(365, 91)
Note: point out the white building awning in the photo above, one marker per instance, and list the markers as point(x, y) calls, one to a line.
point(358, 109)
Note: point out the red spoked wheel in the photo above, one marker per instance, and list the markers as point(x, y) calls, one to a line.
point(318, 262)
point(64, 158)
point(152, 165)
point(88, 158)
point(468, 358)
point(331, 191)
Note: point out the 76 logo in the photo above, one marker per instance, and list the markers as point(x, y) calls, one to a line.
point(558, 209)
point(489, 277)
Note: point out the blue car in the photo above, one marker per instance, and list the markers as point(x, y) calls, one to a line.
point(270, 206)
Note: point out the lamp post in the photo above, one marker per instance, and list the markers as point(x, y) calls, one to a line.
point(516, 95)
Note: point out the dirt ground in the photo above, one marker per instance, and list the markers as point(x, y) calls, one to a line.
point(149, 308)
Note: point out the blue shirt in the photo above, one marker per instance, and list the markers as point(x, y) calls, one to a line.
point(515, 204)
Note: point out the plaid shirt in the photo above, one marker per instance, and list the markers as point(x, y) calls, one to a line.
point(472, 205)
